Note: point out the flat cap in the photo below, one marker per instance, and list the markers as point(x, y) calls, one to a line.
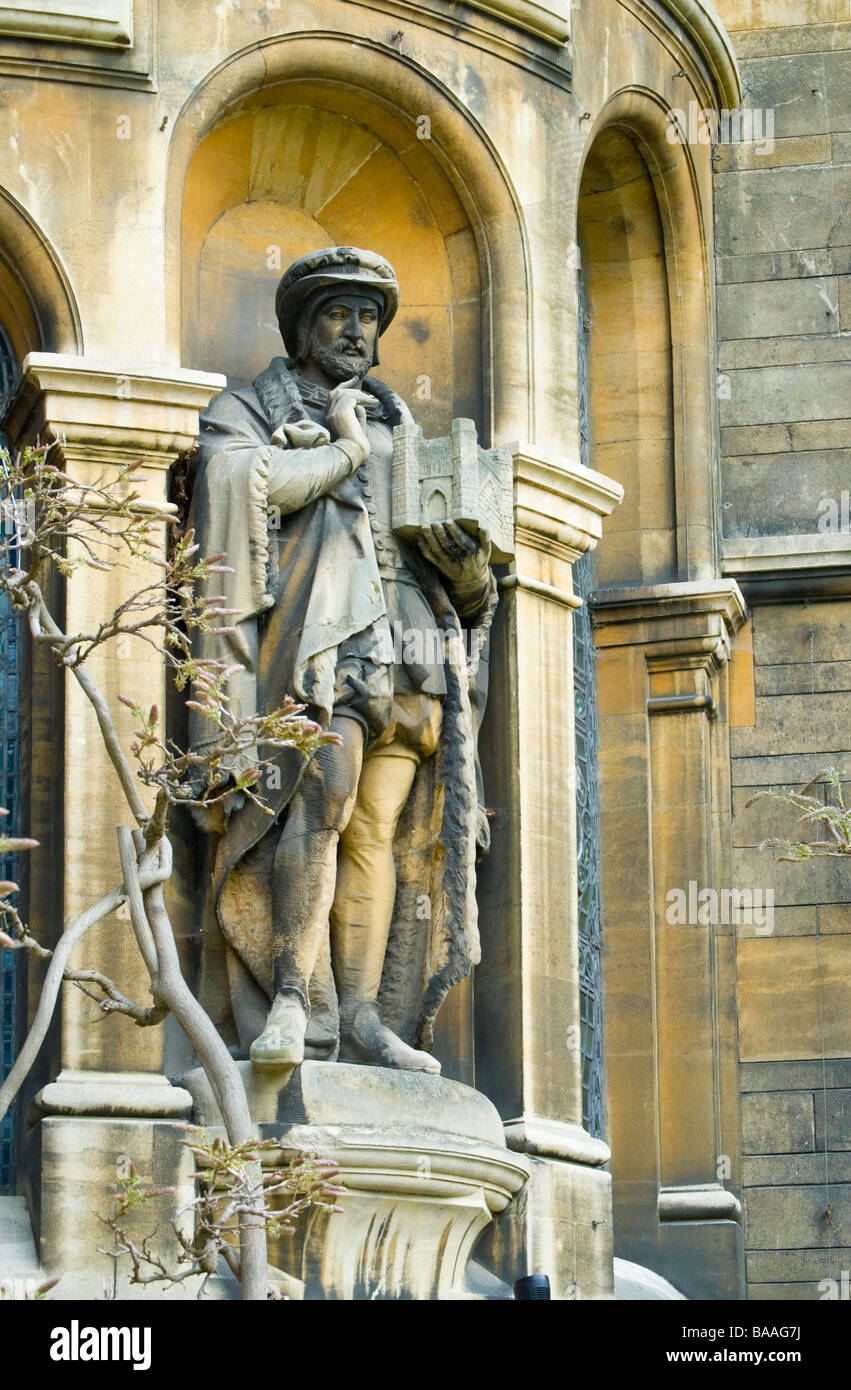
point(335, 265)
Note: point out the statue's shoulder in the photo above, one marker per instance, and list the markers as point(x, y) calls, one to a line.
point(238, 404)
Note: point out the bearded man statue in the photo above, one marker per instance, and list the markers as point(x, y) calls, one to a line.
point(341, 920)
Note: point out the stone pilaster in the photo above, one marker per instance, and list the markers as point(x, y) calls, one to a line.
point(101, 416)
point(669, 964)
point(528, 1056)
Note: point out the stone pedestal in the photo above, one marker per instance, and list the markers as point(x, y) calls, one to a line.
point(425, 1169)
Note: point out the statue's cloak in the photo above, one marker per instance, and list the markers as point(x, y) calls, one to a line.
point(300, 591)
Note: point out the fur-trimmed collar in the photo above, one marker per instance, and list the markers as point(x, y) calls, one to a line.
point(278, 393)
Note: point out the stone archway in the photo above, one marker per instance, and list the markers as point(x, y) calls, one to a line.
point(37, 305)
point(287, 174)
point(642, 226)
point(457, 194)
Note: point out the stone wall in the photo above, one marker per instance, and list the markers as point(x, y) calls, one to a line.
point(783, 288)
point(794, 982)
point(783, 298)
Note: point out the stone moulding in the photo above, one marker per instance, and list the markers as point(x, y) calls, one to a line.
point(703, 24)
point(104, 411)
point(102, 23)
point(559, 506)
point(699, 1202)
point(749, 555)
point(644, 603)
point(550, 22)
point(120, 1093)
point(534, 1134)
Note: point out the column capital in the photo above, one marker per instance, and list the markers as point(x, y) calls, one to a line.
point(109, 412)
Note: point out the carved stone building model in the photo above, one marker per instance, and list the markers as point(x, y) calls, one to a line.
point(621, 240)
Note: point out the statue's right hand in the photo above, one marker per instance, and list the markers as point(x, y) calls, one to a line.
point(345, 414)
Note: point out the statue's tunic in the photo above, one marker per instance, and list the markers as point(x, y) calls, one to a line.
point(324, 592)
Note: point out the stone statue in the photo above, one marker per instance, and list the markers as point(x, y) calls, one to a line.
point(342, 920)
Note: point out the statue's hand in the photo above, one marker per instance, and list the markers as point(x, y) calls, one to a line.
point(345, 414)
point(462, 558)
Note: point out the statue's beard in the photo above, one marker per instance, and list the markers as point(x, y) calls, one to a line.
point(339, 364)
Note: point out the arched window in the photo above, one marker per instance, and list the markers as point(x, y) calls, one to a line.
point(9, 373)
point(587, 828)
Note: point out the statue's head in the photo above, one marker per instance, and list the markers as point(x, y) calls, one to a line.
point(333, 305)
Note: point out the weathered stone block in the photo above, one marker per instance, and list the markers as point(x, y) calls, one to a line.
point(821, 83)
point(772, 308)
point(789, 1076)
point(778, 1122)
point(794, 998)
point(782, 634)
point(795, 1170)
point(797, 1266)
point(768, 395)
point(798, 678)
point(809, 204)
point(780, 351)
point(795, 1217)
point(833, 1120)
point(793, 723)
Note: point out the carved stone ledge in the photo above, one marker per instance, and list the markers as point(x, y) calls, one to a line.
point(534, 1134)
point(125, 1094)
point(101, 23)
point(559, 506)
point(424, 1168)
point(699, 1202)
point(682, 622)
point(109, 412)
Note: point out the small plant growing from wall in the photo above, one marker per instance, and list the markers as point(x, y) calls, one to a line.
point(832, 816)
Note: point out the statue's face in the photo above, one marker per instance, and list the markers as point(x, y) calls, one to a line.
point(342, 342)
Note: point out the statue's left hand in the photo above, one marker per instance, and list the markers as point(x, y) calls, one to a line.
point(462, 558)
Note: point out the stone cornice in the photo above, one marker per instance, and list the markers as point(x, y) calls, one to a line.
point(652, 602)
point(549, 21)
point(101, 23)
point(559, 506)
point(109, 411)
point(763, 555)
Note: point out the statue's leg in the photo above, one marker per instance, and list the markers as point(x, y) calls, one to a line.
point(304, 876)
point(363, 910)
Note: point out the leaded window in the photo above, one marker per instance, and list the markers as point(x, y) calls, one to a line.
point(10, 649)
point(587, 815)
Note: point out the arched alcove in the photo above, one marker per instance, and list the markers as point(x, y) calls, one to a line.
point(456, 183)
point(648, 333)
point(285, 174)
point(628, 335)
point(37, 306)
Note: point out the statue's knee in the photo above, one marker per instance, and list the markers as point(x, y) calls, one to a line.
point(330, 797)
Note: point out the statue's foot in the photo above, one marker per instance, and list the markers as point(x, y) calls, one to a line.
point(367, 1040)
point(281, 1044)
